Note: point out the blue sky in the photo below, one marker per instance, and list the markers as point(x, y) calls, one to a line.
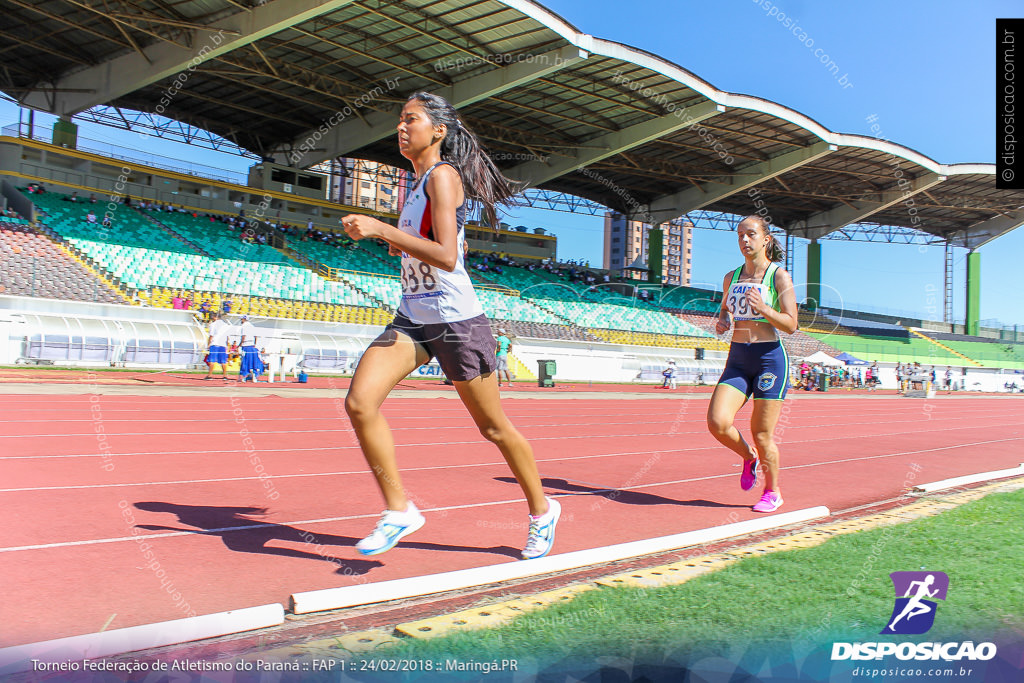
point(924, 69)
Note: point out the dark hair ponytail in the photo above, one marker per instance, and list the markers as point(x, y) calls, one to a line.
point(773, 250)
point(481, 180)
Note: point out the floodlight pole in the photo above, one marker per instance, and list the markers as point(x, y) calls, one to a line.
point(790, 252)
point(947, 296)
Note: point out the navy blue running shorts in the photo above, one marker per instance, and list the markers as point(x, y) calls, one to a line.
point(758, 369)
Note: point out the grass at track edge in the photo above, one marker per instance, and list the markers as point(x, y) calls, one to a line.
point(796, 599)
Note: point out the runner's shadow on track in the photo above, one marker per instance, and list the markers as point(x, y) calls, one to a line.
point(620, 496)
point(241, 533)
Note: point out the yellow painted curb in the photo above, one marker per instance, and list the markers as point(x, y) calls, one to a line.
point(489, 615)
point(362, 641)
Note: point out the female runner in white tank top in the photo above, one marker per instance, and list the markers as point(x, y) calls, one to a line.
point(439, 316)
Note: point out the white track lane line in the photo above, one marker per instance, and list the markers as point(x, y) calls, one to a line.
point(334, 415)
point(348, 430)
point(206, 532)
point(713, 447)
point(207, 421)
point(340, 447)
point(331, 414)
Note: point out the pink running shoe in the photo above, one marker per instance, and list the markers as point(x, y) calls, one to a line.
point(748, 477)
point(770, 502)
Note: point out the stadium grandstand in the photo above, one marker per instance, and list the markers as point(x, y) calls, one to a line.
point(167, 520)
point(108, 257)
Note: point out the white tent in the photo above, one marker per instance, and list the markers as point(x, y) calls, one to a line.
point(823, 358)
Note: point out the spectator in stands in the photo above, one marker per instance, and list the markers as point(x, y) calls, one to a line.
point(669, 375)
point(108, 222)
point(761, 300)
point(90, 217)
point(251, 366)
point(204, 310)
point(502, 347)
point(234, 362)
point(186, 302)
point(176, 302)
point(92, 199)
point(73, 197)
point(217, 342)
point(225, 306)
point(811, 379)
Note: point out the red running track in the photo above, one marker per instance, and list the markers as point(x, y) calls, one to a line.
point(174, 519)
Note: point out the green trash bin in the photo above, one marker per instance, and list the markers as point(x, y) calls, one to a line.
point(823, 382)
point(546, 373)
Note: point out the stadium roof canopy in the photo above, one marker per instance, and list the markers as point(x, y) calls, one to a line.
point(560, 109)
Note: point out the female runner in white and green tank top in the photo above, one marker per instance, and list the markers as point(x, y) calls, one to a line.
point(759, 298)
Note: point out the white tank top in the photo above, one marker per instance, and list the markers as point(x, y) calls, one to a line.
point(429, 294)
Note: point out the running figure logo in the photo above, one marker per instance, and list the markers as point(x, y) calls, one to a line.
point(913, 613)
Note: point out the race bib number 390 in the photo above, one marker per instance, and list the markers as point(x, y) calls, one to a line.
point(737, 301)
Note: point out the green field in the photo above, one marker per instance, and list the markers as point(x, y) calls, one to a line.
point(785, 601)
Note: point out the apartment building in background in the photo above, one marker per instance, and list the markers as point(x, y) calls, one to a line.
point(626, 240)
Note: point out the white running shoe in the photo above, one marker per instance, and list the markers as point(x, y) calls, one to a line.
point(392, 527)
point(542, 532)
